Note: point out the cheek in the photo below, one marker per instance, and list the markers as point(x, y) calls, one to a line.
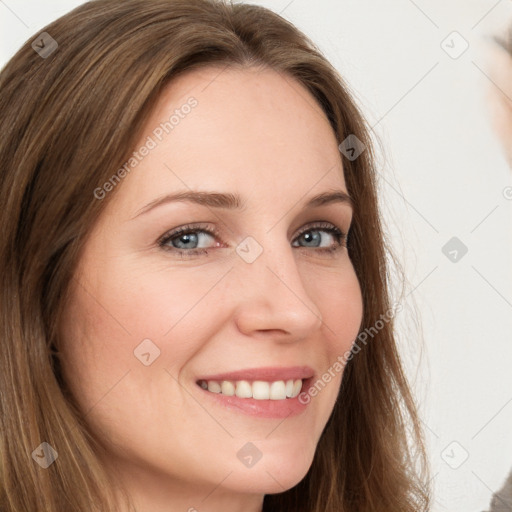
point(337, 294)
point(339, 299)
point(116, 307)
point(106, 320)
point(153, 299)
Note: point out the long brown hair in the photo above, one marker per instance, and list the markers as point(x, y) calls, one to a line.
point(69, 120)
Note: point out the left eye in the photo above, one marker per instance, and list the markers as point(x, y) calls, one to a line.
point(311, 235)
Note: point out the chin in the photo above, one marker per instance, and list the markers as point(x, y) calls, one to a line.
point(275, 473)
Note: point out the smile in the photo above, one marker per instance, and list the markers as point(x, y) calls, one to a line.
point(258, 389)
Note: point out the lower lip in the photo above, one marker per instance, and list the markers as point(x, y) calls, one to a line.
point(261, 408)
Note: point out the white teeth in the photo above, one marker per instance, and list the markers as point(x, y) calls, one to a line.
point(278, 390)
point(259, 390)
point(243, 389)
point(289, 387)
point(213, 386)
point(296, 388)
point(227, 388)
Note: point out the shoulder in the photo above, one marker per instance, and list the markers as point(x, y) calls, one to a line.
point(502, 499)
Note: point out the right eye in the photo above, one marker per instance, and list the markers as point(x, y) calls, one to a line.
point(187, 235)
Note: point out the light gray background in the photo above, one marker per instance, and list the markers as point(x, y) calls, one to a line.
point(442, 174)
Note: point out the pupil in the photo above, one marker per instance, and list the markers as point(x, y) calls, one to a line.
point(310, 237)
point(185, 239)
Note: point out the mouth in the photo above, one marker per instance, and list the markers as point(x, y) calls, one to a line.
point(271, 392)
point(257, 389)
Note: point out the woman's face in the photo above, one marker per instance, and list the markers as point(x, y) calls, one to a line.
point(259, 299)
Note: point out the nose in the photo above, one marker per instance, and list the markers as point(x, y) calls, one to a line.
point(273, 298)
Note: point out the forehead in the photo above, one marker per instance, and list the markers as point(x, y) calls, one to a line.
point(251, 130)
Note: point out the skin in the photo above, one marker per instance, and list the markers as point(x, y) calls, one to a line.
point(260, 135)
point(499, 96)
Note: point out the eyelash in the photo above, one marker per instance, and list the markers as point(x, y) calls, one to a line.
point(341, 238)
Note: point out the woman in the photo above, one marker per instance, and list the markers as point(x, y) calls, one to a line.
point(501, 105)
point(257, 371)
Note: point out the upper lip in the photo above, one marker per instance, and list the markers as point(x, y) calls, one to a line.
point(268, 373)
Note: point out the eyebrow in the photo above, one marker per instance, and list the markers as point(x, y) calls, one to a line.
point(230, 201)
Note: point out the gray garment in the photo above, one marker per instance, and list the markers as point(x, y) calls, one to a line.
point(502, 500)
